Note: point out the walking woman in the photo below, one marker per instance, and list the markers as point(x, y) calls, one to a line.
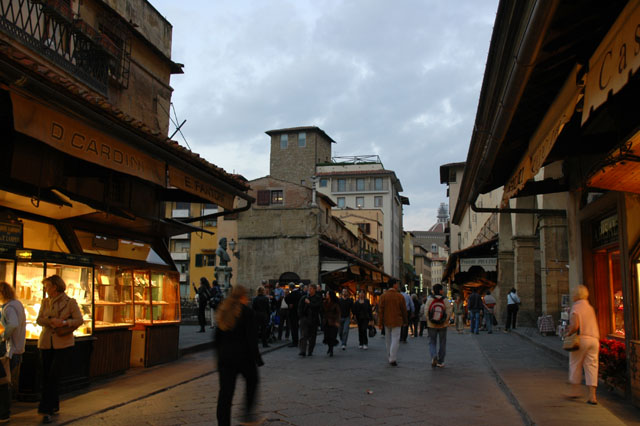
point(458, 311)
point(362, 311)
point(583, 321)
point(59, 315)
point(331, 320)
point(236, 342)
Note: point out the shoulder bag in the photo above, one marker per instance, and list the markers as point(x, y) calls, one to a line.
point(571, 342)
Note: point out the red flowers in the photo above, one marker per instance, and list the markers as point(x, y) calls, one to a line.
point(613, 362)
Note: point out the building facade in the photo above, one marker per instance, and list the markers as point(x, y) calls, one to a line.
point(88, 168)
point(568, 205)
point(363, 183)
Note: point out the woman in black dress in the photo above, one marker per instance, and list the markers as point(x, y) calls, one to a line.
point(331, 320)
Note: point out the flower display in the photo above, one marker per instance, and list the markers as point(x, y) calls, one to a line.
point(613, 362)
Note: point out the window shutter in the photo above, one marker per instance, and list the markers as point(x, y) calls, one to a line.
point(199, 260)
point(264, 197)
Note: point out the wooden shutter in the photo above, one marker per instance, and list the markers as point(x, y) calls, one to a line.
point(264, 197)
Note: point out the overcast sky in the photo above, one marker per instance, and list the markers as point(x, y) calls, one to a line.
point(400, 79)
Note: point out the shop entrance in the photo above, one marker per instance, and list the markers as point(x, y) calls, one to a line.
point(609, 291)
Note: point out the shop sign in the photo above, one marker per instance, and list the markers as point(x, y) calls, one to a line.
point(605, 231)
point(544, 138)
point(80, 140)
point(486, 263)
point(617, 57)
point(202, 189)
point(11, 233)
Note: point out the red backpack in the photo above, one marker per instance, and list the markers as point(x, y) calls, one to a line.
point(437, 311)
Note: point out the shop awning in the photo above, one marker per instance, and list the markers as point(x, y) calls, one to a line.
point(75, 136)
point(483, 251)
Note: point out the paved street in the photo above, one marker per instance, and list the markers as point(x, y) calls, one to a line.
point(494, 379)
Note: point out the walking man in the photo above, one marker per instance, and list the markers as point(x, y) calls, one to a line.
point(309, 314)
point(404, 333)
point(292, 300)
point(392, 313)
point(513, 304)
point(438, 314)
point(346, 306)
point(475, 306)
point(489, 304)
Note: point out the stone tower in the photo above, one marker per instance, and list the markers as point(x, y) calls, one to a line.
point(296, 151)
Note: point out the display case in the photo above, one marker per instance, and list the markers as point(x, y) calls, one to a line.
point(156, 297)
point(113, 297)
point(29, 290)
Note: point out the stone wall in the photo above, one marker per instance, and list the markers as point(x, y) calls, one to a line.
point(296, 164)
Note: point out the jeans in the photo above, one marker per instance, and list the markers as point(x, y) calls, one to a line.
point(6, 390)
point(284, 324)
point(475, 320)
point(308, 333)
point(344, 330)
point(488, 320)
point(459, 322)
point(293, 322)
point(404, 333)
point(436, 334)
point(392, 340)
point(227, 374)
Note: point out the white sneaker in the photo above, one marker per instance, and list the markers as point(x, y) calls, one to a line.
point(365, 347)
point(344, 347)
point(359, 346)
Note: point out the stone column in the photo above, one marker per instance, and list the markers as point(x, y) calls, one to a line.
point(554, 258)
point(505, 266)
point(524, 259)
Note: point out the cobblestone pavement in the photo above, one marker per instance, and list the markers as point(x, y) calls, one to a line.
point(496, 379)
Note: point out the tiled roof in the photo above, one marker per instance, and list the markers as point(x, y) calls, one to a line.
point(96, 101)
point(299, 129)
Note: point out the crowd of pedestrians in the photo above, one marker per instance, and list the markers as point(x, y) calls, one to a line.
point(301, 311)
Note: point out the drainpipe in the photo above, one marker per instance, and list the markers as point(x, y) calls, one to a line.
point(541, 212)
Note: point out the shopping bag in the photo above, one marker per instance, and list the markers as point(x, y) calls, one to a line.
point(372, 331)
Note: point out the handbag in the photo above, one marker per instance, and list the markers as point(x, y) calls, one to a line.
point(372, 331)
point(65, 330)
point(571, 342)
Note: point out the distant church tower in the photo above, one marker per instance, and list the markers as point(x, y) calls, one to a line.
point(443, 213)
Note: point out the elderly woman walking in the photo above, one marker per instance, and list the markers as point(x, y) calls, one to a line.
point(583, 321)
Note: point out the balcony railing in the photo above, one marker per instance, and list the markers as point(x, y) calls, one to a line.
point(49, 28)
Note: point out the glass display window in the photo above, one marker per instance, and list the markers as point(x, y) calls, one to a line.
point(165, 297)
point(6, 270)
point(29, 291)
point(113, 302)
point(156, 296)
point(142, 297)
point(79, 281)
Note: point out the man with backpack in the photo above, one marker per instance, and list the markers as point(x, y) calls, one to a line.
point(438, 314)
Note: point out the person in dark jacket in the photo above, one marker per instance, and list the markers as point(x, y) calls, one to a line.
point(415, 315)
point(475, 306)
point(236, 344)
point(204, 294)
point(292, 300)
point(331, 320)
point(362, 311)
point(346, 303)
point(262, 307)
point(309, 314)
